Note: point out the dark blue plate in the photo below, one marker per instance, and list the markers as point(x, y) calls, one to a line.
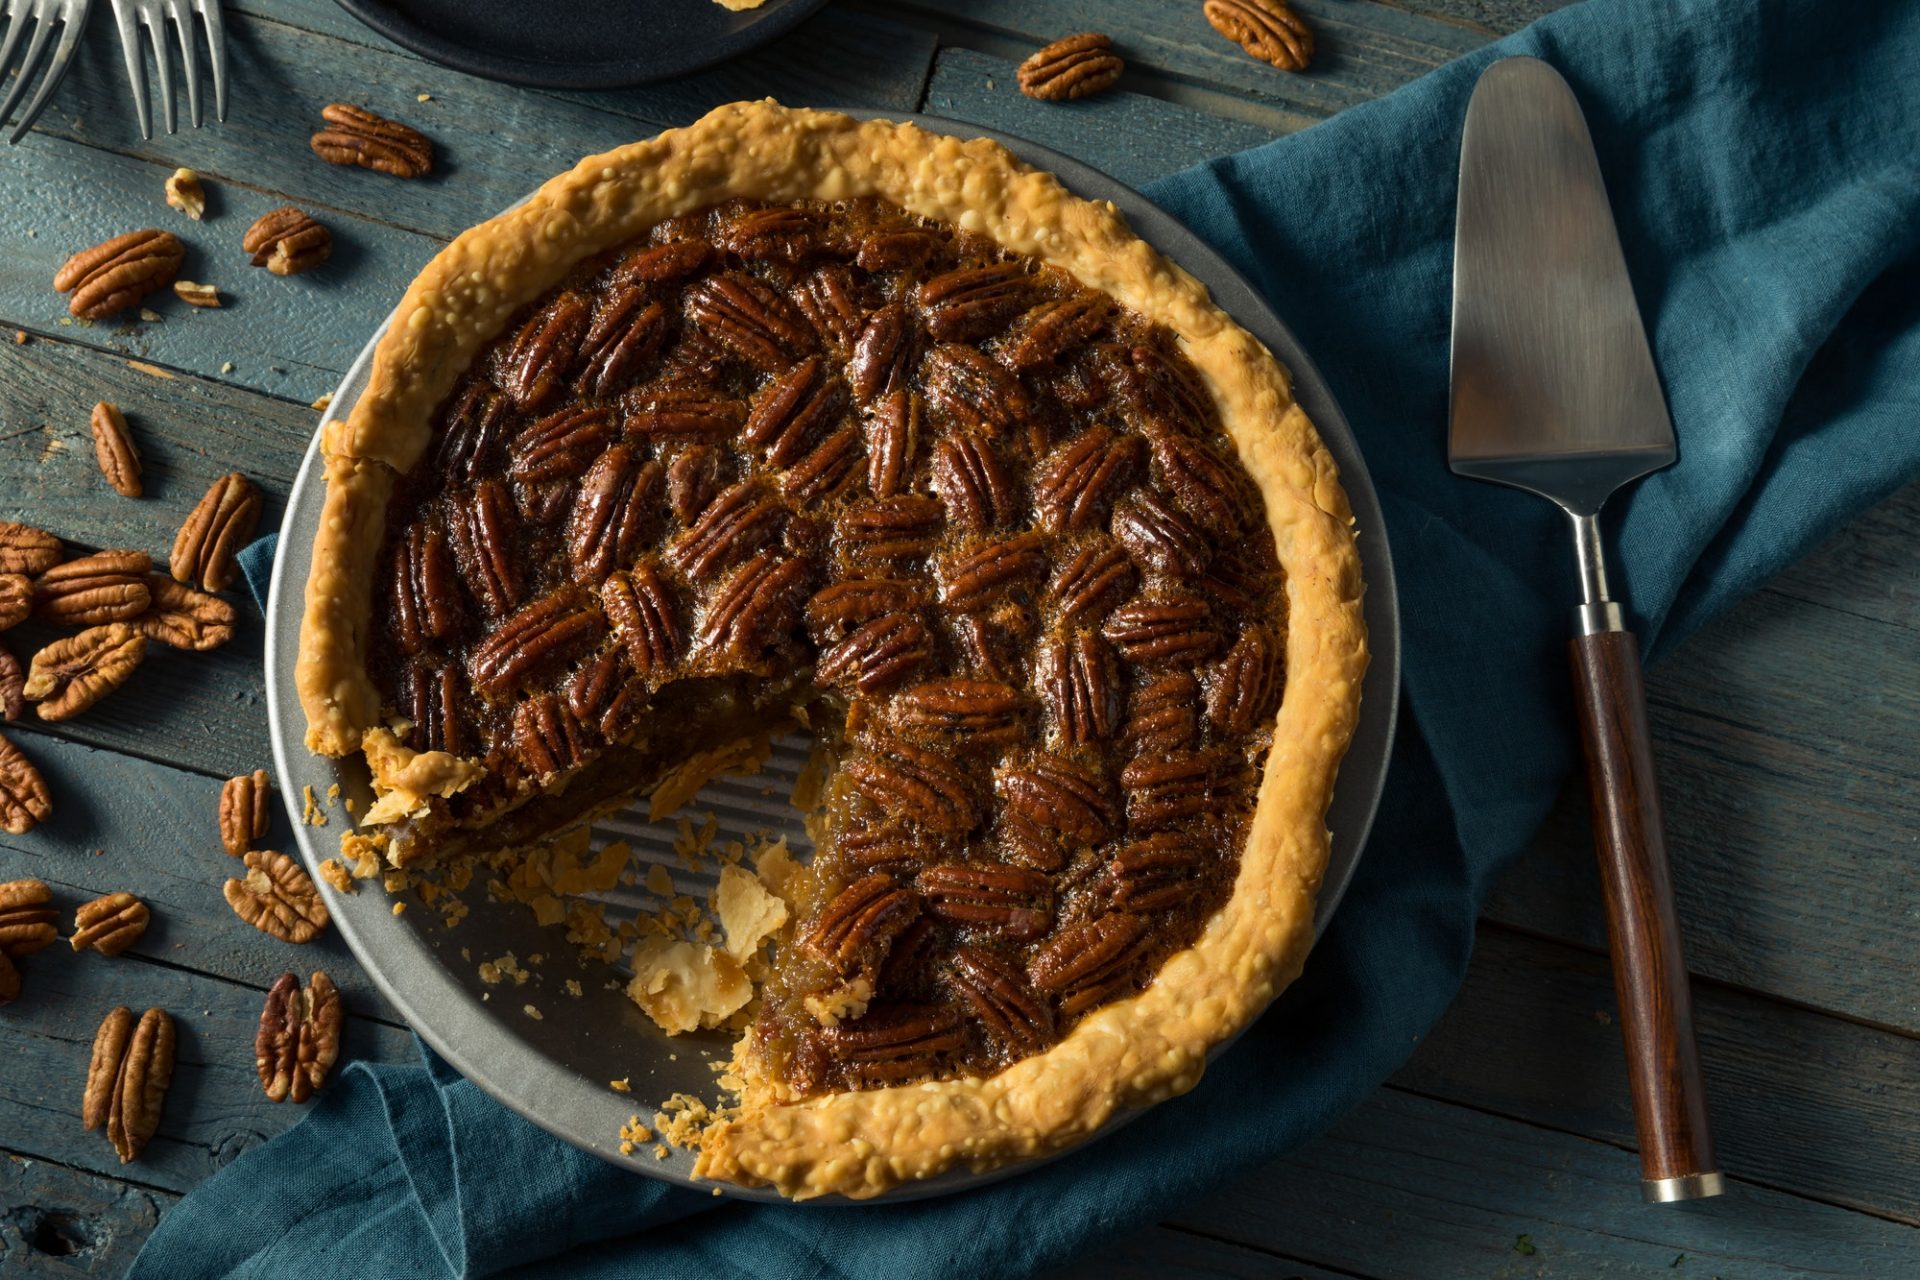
point(578, 44)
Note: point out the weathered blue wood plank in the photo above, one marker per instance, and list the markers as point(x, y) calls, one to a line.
point(59, 1222)
point(1158, 1252)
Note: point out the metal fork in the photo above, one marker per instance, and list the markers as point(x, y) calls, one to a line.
point(41, 16)
point(154, 16)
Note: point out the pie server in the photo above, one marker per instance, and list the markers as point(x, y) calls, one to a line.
point(1554, 392)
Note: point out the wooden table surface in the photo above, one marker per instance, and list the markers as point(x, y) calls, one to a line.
point(1504, 1148)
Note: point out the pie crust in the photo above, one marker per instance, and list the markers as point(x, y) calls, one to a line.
point(1128, 1053)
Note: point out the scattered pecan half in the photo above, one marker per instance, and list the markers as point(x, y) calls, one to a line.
point(1268, 29)
point(1165, 789)
point(103, 1068)
point(216, 529)
point(1159, 538)
point(972, 484)
point(25, 549)
point(1075, 67)
point(1055, 328)
point(109, 924)
point(70, 675)
point(968, 304)
point(287, 241)
point(16, 599)
point(185, 193)
point(357, 136)
point(107, 586)
point(278, 897)
point(749, 319)
point(128, 1077)
point(299, 1038)
point(975, 390)
point(13, 685)
point(792, 408)
point(26, 918)
point(113, 448)
point(25, 801)
point(900, 527)
point(108, 278)
point(548, 737)
point(184, 618)
point(882, 355)
point(1176, 628)
point(245, 811)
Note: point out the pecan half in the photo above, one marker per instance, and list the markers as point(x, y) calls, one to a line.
point(695, 414)
point(640, 607)
point(889, 846)
point(858, 925)
point(961, 713)
point(113, 449)
point(25, 801)
point(1268, 29)
point(484, 530)
point(693, 477)
point(882, 357)
point(894, 1044)
point(748, 319)
point(431, 698)
point(277, 897)
point(26, 917)
point(357, 136)
point(977, 578)
point(971, 303)
point(140, 1081)
point(108, 278)
point(1155, 872)
point(103, 1068)
point(1075, 67)
point(826, 298)
point(1081, 686)
point(1086, 963)
point(1074, 488)
point(561, 445)
point(1164, 789)
point(920, 785)
point(792, 408)
point(1058, 796)
point(997, 993)
point(1215, 493)
point(757, 607)
point(1091, 582)
point(245, 811)
point(286, 241)
point(107, 586)
point(742, 520)
point(425, 607)
point(899, 248)
point(628, 331)
point(773, 233)
point(880, 529)
point(479, 420)
point(600, 695)
point(975, 390)
point(540, 633)
point(299, 1037)
point(13, 684)
point(109, 924)
point(25, 549)
point(971, 482)
point(1157, 536)
point(826, 470)
point(1052, 329)
point(893, 436)
point(853, 602)
point(1160, 390)
point(1161, 714)
point(663, 263)
point(547, 345)
point(877, 655)
point(72, 674)
point(1247, 685)
point(1013, 902)
point(16, 599)
point(216, 529)
point(547, 737)
point(1177, 627)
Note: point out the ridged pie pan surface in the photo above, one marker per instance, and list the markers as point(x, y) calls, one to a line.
point(555, 1069)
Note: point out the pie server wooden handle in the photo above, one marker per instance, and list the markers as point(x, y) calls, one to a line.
point(1649, 973)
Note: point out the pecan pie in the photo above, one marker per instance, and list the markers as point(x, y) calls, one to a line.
point(780, 410)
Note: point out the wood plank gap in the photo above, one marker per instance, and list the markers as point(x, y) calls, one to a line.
point(150, 1188)
point(1265, 1251)
point(65, 338)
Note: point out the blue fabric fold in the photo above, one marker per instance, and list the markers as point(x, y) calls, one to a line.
point(1761, 161)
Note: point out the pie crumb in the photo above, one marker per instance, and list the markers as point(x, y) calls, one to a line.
point(533, 1013)
point(335, 873)
point(399, 908)
point(623, 1085)
point(683, 986)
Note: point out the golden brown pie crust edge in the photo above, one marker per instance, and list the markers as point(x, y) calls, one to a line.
point(1131, 1053)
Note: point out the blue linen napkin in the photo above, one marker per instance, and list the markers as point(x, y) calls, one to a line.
point(1761, 162)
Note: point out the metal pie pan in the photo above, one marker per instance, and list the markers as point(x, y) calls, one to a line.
point(555, 1069)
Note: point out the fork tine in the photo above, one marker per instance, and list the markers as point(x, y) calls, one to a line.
point(155, 27)
point(189, 64)
point(209, 11)
point(36, 48)
point(17, 23)
point(136, 65)
point(71, 24)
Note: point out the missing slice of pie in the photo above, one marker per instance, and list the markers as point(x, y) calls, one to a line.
point(784, 409)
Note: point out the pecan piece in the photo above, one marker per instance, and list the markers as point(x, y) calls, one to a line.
point(1080, 683)
point(245, 811)
point(741, 521)
point(484, 530)
point(540, 633)
point(899, 248)
point(548, 739)
point(13, 700)
point(1159, 537)
point(893, 433)
point(357, 136)
point(127, 1078)
point(826, 470)
point(1160, 631)
point(107, 586)
point(1075, 67)
point(877, 655)
point(920, 785)
point(1058, 796)
point(663, 263)
point(901, 527)
point(1215, 493)
point(773, 233)
point(791, 408)
point(641, 610)
point(1050, 330)
point(424, 605)
point(826, 298)
point(547, 345)
point(109, 924)
point(25, 549)
point(628, 331)
point(1165, 788)
point(882, 356)
point(474, 430)
point(959, 713)
point(977, 578)
point(1013, 902)
point(856, 928)
point(287, 242)
point(25, 801)
point(26, 918)
point(757, 607)
point(894, 1044)
point(184, 192)
point(72, 674)
point(16, 599)
point(614, 513)
point(975, 390)
point(1155, 872)
point(1088, 584)
point(852, 602)
point(214, 532)
point(1247, 685)
point(1087, 963)
point(1074, 488)
point(299, 1037)
point(108, 278)
point(1160, 715)
point(277, 897)
point(997, 993)
point(971, 303)
point(113, 449)
point(683, 413)
point(1268, 29)
point(748, 319)
point(971, 482)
